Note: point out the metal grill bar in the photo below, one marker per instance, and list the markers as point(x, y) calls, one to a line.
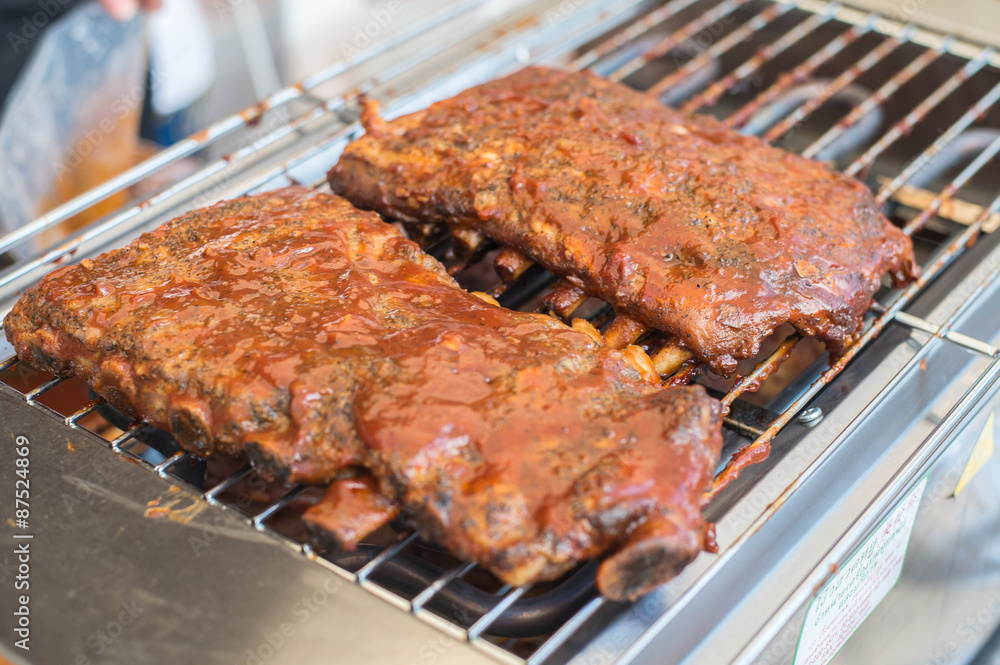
point(212, 495)
point(715, 91)
point(131, 456)
point(751, 27)
point(960, 125)
point(171, 461)
point(447, 578)
point(31, 395)
point(763, 370)
point(847, 78)
point(125, 437)
point(938, 331)
point(904, 126)
point(960, 180)
point(623, 37)
point(800, 73)
point(84, 411)
point(384, 556)
point(887, 90)
point(477, 629)
point(971, 343)
point(329, 565)
point(566, 631)
point(671, 41)
point(917, 323)
point(293, 494)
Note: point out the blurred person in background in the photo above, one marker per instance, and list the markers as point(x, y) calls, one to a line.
point(80, 82)
point(22, 23)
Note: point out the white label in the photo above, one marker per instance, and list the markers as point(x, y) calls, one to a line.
point(846, 600)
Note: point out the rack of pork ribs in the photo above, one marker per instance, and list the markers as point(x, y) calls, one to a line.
point(709, 238)
point(319, 341)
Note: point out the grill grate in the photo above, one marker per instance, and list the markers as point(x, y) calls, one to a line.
point(775, 69)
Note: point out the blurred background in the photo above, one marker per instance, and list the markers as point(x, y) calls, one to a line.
point(89, 88)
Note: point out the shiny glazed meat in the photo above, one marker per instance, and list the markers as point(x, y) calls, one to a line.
point(712, 237)
point(321, 341)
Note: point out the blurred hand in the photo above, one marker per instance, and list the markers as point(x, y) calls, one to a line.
point(123, 10)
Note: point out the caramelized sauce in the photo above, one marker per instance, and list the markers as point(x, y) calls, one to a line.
point(317, 338)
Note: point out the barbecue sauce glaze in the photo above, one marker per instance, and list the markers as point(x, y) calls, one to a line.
point(320, 340)
point(689, 227)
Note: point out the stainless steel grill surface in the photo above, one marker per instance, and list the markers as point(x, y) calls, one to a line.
point(912, 112)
